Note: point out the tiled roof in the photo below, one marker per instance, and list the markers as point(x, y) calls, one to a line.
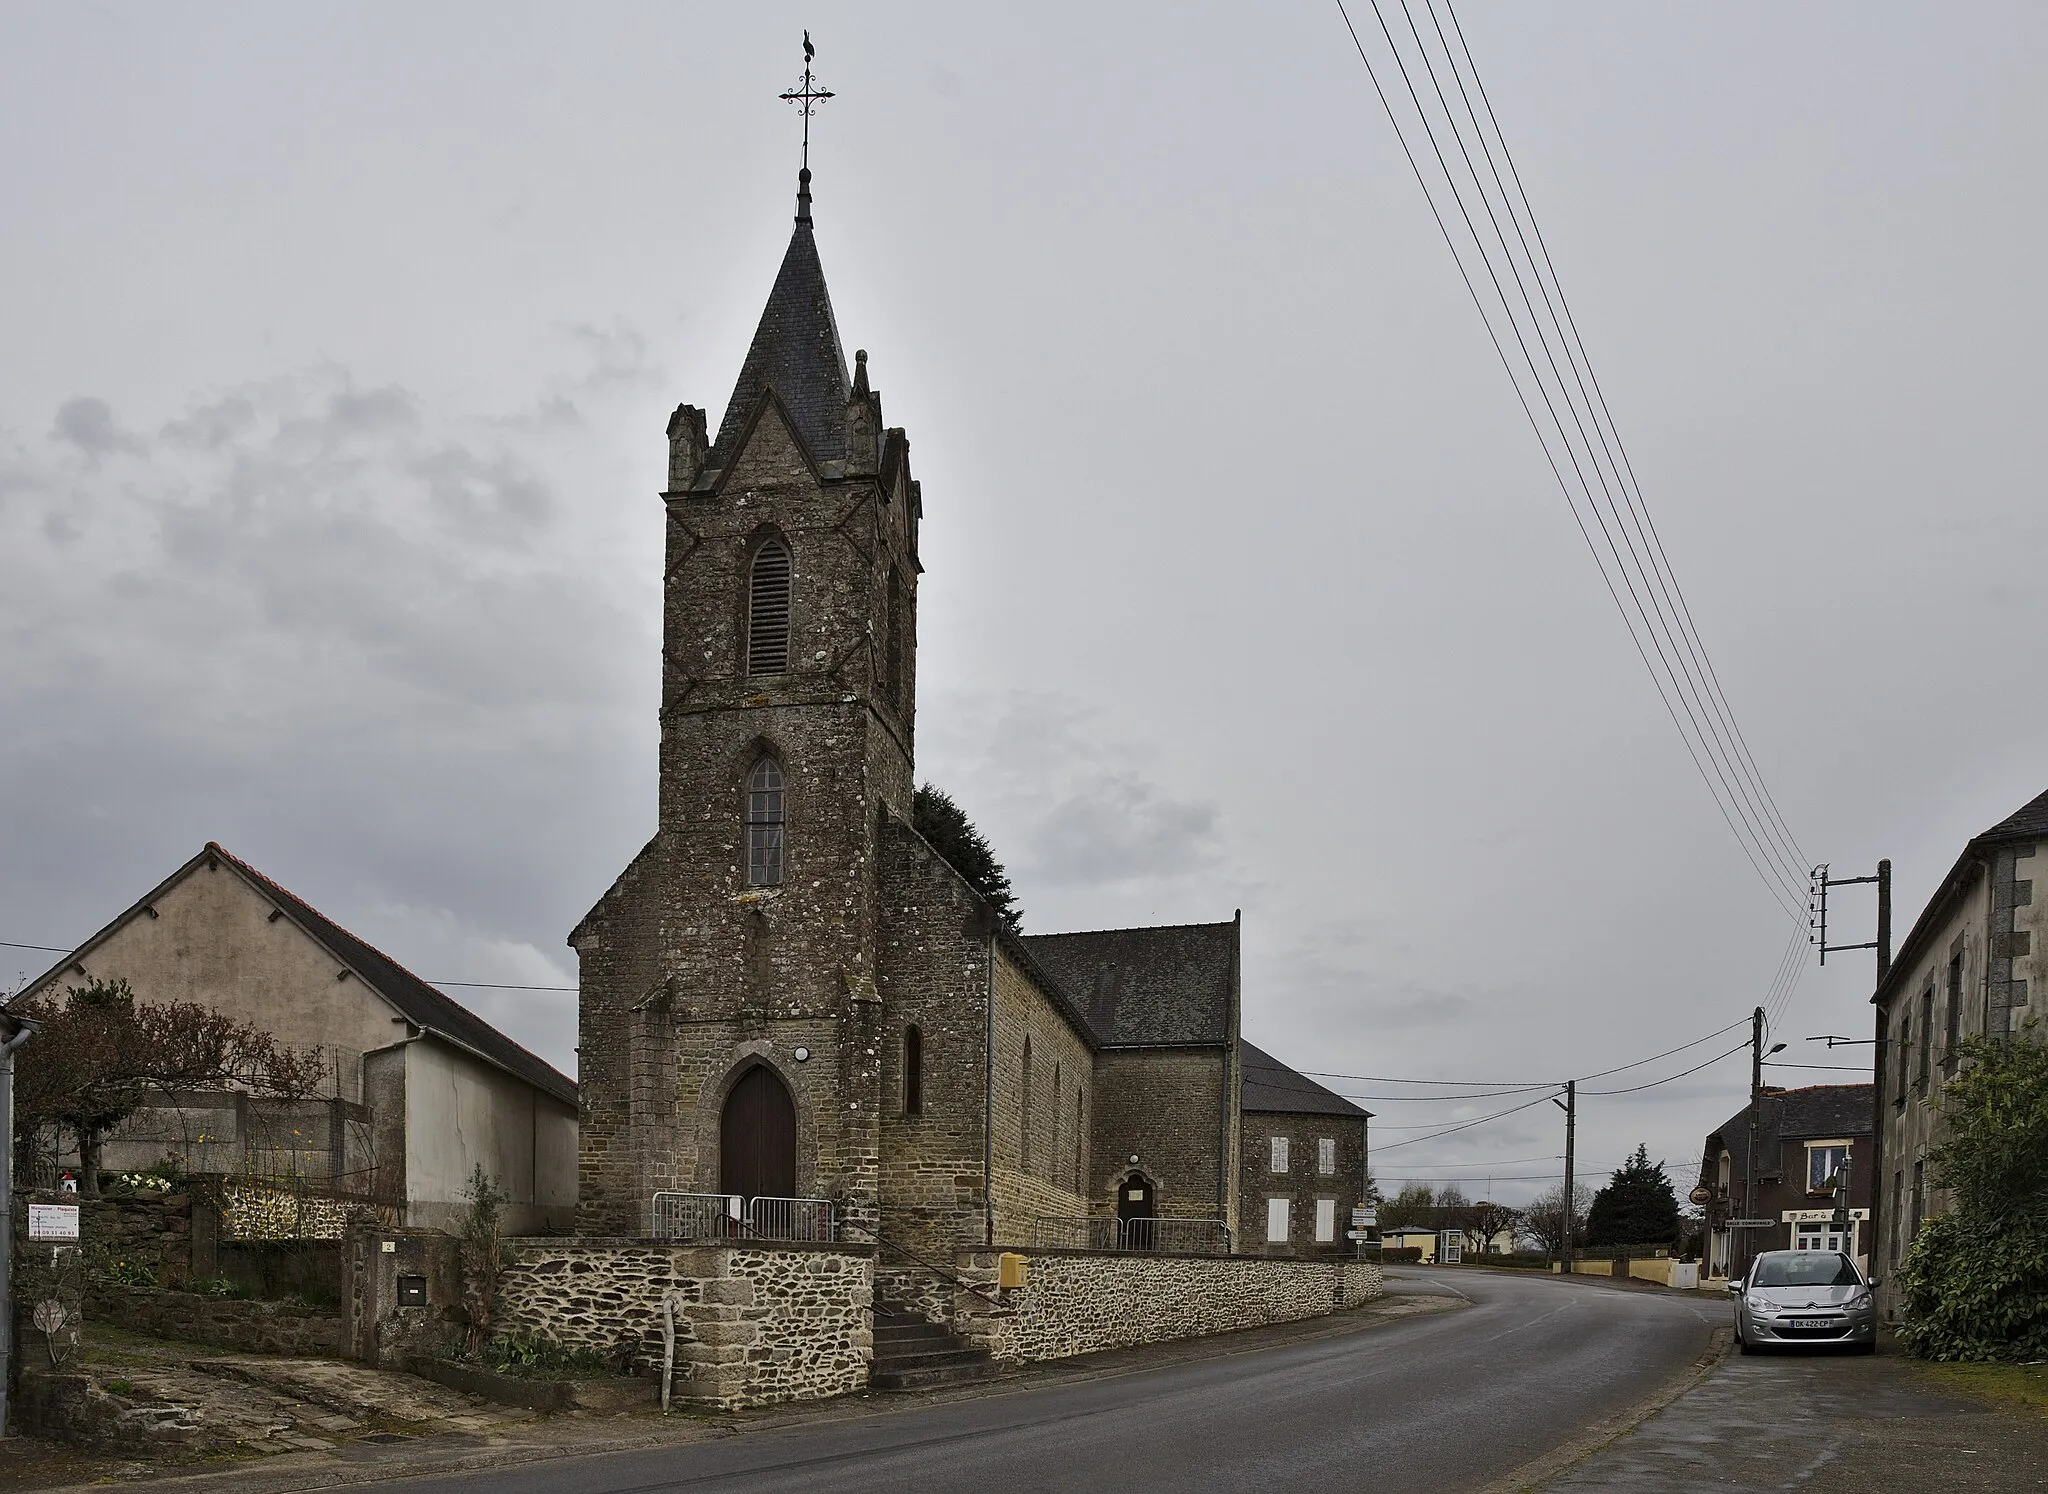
point(796, 352)
point(1818, 1111)
point(420, 1004)
point(2029, 822)
point(1146, 987)
point(1267, 1084)
point(2023, 824)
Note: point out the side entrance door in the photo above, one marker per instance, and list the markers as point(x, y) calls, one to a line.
point(757, 1138)
point(1134, 1219)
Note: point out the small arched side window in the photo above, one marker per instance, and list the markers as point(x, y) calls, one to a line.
point(913, 1070)
point(1080, 1140)
point(764, 824)
point(768, 609)
point(1024, 1136)
point(1052, 1156)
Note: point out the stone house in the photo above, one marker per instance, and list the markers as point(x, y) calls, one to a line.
point(1970, 966)
point(422, 1089)
point(1302, 1168)
point(789, 1000)
point(1804, 1138)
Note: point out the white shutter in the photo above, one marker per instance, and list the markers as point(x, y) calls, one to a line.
point(1326, 1156)
point(1276, 1219)
point(1326, 1220)
point(1279, 1153)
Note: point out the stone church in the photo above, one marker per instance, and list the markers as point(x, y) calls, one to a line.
point(789, 995)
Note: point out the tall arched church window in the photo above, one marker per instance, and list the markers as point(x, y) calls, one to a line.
point(1052, 1157)
point(764, 824)
point(768, 609)
point(1080, 1140)
point(913, 1070)
point(1024, 1135)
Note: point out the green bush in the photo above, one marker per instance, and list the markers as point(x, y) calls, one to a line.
point(1967, 1292)
point(222, 1286)
point(129, 1273)
point(1975, 1283)
point(531, 1357)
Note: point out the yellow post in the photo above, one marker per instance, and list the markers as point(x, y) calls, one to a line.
point(1012, 1271)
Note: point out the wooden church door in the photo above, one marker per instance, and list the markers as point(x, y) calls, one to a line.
point(757, 1138)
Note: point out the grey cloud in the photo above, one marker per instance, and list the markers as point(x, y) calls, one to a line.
point(371, 412)
point(1122, 827)
point(211, 425)
point(88, 424)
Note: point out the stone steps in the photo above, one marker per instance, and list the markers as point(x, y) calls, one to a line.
point(914, 1354)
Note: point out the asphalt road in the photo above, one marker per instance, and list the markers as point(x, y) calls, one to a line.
point(1446, 1401)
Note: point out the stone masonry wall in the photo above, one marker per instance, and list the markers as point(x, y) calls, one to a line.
point(753, 1327)
point(1041, 1140)
point(249, 1327)
point(1165, 1105)
point(686, 972)
point(1303, 1183)
point(934, 952)
point(1079, 1303)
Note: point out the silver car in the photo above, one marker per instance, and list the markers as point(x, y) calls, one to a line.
point(1804, 1297)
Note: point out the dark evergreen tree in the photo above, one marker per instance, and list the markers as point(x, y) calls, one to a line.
point(945, 826)
point(1637, 1207)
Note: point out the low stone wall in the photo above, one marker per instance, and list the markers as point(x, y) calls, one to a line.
point(753, 1326)
point(258, 1211)
point(1077, 1303)
point(68, 1407)
point(224, 1322)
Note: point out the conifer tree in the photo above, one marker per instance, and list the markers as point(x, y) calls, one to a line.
point(943, 824)
point(1637, 1207)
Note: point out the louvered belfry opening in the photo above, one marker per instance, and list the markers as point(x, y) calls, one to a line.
point(768, 610)
point(764, 824)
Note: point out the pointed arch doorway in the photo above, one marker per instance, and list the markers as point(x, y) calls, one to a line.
point(757, 1137)
point(1136, 1224)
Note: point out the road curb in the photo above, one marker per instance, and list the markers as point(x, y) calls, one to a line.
point(1559, 1461)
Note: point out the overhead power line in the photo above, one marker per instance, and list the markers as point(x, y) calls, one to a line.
point(1502, 247)
point(1654, 1083)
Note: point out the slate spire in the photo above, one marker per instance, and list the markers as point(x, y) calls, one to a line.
point(796, 351)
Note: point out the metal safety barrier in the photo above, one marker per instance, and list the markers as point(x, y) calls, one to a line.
point(799, 1219)
point(729, 1216)
point(1172, 1236)
point(696, 1216)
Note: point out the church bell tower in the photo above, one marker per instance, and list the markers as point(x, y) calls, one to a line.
point(729, 1010)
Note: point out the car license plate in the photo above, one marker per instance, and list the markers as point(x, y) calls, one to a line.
point(1811, 1323)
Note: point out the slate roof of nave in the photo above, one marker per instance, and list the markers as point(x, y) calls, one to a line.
point(1147, 987)
point(797, 353)
point(1267, 1084)
point(1814, 1112)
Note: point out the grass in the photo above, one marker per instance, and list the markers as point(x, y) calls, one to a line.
point(2015, 1384)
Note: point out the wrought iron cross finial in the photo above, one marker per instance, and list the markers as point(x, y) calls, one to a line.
point(807, 96)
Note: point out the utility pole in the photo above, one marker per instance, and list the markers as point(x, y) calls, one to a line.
point(1881, 1048)
point(1570, 1107)
point(1756, 1095)
point(24, 1029)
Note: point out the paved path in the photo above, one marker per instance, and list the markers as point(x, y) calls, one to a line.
point(1820, 1422)
point(1448, 1401)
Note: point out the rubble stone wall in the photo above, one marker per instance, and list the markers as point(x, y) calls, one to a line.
point(753, 1326)
point(1077, 1303)
point(249, 1327)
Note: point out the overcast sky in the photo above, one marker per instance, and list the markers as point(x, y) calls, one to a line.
point(340, 341)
